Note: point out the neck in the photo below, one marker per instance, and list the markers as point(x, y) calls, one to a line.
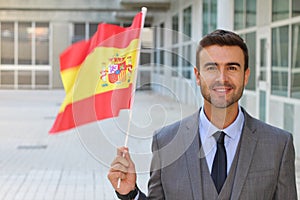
point(221, 117)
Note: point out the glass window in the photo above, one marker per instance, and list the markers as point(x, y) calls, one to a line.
point(262, 105)
point(126, 24)
point(161, 51)
point(24, 78)
point(296, 46)
point(42, 78)
point(7, 77)
point(289, 113)
point(155, 52)
point(280, 61)
point(279, 82)
point(175, 61)
point(209, 22)
point(280, 47)
point(42, 44)
point(175, 28)
point(24, 43)
point(239, 14)
point(296, 8)
point(161, 61)
point(155, 59)
point(250, 39)
point(280, 9)
point(205, 17)
point(213, 15)
point(186, 61)
point(79, 32)
point(263, 60)
point(244, 14)
point(175, 40)
point(32, 41)
point(187, 23)
point(250, 13)
point(295, 84)
point(7, 42)
point(161, 32)
point(145, 58)
point(92, 29)
point(295, 77)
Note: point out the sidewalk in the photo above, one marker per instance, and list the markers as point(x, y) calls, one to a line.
point(73, 165)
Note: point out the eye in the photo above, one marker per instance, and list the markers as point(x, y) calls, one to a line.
point(232, 68)
point(211, 68)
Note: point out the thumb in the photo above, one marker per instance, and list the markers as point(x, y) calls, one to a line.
point(131, 163)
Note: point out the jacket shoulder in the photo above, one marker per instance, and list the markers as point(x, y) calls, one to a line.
point(264, 129)
point(167, 133)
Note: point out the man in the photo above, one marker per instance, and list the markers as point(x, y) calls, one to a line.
point(220, 152)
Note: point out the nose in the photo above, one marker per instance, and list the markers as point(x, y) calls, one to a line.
point(222, 75)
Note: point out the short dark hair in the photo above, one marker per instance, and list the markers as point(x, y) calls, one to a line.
point(222, 38)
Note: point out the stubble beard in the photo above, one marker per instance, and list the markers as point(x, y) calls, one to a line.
point(221, 102)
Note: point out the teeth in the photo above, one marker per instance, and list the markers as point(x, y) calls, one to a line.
point(220, 90)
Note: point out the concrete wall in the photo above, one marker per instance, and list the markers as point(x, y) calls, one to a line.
point(61, 15)
point(61, 39)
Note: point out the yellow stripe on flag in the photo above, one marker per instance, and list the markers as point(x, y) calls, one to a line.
point(88, 75)
point(68, 77)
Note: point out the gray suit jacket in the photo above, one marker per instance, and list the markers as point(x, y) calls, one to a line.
point(265, 168)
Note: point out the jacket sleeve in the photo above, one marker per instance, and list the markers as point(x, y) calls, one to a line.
point(286, 186)
point(155, 189)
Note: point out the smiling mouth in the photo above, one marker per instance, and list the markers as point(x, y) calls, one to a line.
point(222, 89)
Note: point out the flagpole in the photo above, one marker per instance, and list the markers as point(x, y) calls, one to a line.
point(144, 12)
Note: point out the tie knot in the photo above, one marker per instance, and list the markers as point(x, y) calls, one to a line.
point(219, 137)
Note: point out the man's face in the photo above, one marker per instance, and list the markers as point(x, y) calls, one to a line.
point(222, 75)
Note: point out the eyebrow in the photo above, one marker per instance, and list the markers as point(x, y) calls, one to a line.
point(234, 63)
point(216, 64)
point(210, 63)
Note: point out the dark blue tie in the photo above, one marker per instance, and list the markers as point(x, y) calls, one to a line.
point(219, 168)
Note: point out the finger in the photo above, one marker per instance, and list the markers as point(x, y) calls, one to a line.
point(114, 176)
point(127, 156)
point(121, 150)
point(131, 165)
point(117, 175)
point(119, 168)
point(120, 160)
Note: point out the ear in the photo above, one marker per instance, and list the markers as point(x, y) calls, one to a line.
point(197, 75)
point(247, 74)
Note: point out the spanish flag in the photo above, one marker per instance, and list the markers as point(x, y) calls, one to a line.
point(98, 75)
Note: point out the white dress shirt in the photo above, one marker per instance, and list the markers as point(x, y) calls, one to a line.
point(232, 138)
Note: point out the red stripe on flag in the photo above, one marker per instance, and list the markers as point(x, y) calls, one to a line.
point(100, 106)
point(77, 52)
point(107, 35)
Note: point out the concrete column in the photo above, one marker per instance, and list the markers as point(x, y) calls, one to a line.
point(60, 41)
point(225, 17)
point(197, 17)
point(264, 13)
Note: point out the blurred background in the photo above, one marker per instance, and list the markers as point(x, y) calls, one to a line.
point(33, 33)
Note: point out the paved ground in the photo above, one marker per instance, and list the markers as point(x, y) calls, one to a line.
point(73, 165)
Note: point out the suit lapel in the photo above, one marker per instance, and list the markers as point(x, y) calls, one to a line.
point(247, 147)
point(192, 156)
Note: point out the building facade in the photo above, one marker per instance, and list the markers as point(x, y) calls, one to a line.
point(34, 33)
point(271, 31)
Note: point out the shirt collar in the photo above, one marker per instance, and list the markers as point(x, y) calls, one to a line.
point(208, 129)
